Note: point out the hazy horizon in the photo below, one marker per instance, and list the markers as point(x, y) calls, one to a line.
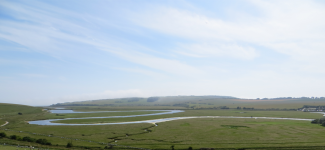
point(60, 51)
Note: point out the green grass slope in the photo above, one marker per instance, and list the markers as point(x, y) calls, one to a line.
point(194, 102)
point(13, 109)
point(9, 112)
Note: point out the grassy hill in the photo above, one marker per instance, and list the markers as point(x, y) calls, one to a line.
point(14, 109)
point(197, 102)
point(16, 114)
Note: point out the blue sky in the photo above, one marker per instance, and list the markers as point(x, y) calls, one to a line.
point(58, 51)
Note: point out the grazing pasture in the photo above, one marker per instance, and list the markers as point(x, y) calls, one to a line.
point(2, 122)
point(197, 133)
point(230, 133)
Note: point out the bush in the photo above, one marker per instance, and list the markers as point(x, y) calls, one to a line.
point(319, 121)
point(28, 139)
point(69, 144)
point(316, 121)
point(43, 142)
point(14, 137)
point(108, 147)
point(2, 135)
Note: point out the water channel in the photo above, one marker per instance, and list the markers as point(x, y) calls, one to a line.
point(153, 121)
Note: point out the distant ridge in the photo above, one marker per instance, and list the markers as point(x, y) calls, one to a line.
point(163, 100)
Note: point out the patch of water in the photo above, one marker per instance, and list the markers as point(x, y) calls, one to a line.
point(50, 121)
point(153, 121)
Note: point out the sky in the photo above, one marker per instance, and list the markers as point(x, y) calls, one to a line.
point(61, 51)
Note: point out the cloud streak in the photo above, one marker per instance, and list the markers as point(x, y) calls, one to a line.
point(159, 48)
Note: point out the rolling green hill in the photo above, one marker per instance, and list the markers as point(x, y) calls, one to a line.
point(196, 102)
point(13, 109)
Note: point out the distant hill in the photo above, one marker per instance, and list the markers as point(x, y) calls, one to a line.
point(199, 102)
point(150, 101)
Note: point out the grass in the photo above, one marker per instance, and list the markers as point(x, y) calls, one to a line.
point(10, 148)
point(3, 147)
point(198, 133)
point(13, 109)
point(93, 133)
point(230, 133)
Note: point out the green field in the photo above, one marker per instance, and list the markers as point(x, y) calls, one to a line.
point(2, 147)
point(197, 133)
point(200, 133)
point(10, 148)
point(2, 122)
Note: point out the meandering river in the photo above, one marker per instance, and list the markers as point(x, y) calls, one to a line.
point(153, 121)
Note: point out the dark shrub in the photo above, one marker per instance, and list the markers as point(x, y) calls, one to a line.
point(28, 139)
point(69, 144)
point(316, 121)
point(43, 142)
point(14, 137)
point(2, 135)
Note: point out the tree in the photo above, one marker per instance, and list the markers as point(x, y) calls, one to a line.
point(2, 135)
point(190, 148)
point(172, 147)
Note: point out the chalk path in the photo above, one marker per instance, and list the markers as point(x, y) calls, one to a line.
point(4, 124)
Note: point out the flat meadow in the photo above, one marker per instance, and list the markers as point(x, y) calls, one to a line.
point(226, 133)
point(2, 122)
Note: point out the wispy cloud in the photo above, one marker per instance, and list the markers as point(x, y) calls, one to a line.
point(182, 49)
point(217, 50)
point(53, 33)
point(295, 28)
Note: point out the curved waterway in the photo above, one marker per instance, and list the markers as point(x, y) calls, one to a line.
point(61, 111)
point(153, 121)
